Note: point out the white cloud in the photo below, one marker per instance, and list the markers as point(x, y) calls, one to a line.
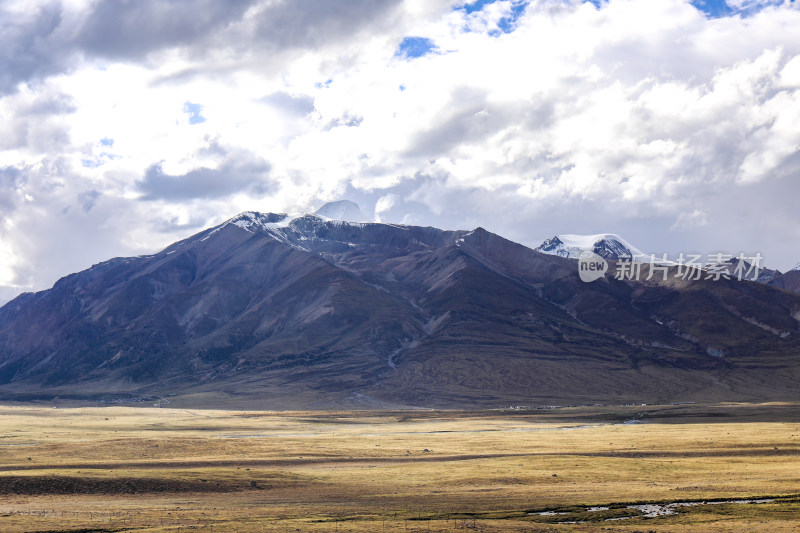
point(642, 118)
point(384, 204)
point(688, 221)
point(790, 75)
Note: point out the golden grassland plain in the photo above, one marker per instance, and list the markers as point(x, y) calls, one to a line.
point(169, 470)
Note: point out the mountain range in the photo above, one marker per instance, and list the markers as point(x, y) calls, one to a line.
point(269, 310)
point(613, 247)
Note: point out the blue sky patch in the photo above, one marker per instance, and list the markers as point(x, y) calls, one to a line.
point(99, 160)
point(412, 47)
point(472, 7)
point(713, 8)
point(106, 141)
point(509, 23)
point(506, 24)
point(717, 8)
point(194, 110)
point(720, 8)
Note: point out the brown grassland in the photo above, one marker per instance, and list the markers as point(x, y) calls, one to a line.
point(170, 469)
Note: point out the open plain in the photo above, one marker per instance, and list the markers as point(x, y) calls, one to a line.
point(724, 467)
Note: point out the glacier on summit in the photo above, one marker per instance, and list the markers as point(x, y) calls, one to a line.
point(606, 245)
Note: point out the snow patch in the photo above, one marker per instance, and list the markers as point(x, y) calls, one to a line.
point(252, 220)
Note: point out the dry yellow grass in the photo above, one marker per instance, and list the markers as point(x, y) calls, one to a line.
point(140, 469)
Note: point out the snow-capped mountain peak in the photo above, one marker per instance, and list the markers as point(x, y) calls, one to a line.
point(606, 245)
point(342, 210)
point(252, 219)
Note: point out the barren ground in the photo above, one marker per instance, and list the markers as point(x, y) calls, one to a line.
point(159, 470)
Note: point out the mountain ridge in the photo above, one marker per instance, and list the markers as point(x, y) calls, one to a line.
point(307, 311)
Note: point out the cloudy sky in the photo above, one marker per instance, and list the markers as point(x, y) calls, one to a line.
point(128, 124)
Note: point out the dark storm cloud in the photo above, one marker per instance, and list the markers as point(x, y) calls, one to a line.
point(228, 179)
point(311, 23)
point(11, 178)
point(55, 104)
point(44, 136)
point(36, 122)
point(467, 120)
point(29, 46)
point(131, 29)
point(88, 199)
point(50, 41)
point(471, 119)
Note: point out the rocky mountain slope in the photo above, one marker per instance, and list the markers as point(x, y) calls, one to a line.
point(275, 311)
